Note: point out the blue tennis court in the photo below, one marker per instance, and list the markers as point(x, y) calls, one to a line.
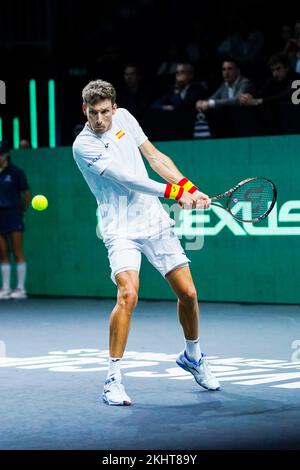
point(54, 361)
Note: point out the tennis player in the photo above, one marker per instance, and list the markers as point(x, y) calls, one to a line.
point(108, 153)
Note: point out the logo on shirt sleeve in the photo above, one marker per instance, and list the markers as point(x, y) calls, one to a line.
point(94, 160)
point(120, 134)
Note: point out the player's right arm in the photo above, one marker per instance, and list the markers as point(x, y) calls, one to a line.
point(89, 159)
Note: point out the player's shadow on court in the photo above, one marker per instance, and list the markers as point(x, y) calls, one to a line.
point(229, 422)
point(209, 405)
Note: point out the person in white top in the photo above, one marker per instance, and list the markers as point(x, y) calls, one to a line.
point(108, 152)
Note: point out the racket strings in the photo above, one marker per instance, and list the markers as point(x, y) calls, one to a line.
point(255, 198)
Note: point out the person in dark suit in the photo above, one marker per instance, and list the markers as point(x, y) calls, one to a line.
point(178, 105)
point(225, 116)
point(228, 93)
point(184, 93)
point(280, 115)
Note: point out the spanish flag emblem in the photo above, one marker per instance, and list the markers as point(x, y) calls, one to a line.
point(120, 134)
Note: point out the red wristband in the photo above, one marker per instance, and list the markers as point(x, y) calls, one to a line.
point(173, 191)
point(187, 185)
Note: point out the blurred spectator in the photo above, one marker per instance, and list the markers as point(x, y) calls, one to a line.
point(24, 144)
point(297, 29)
point(227, 94)
point(173, 54)
point(286, 35)
point(184, 93)
point(133, 95)
point(109, 64)
point(280, 114)
point(179, 104)
point(14, 200)
point(292, 50)
point(244, 43)
point(196, 47)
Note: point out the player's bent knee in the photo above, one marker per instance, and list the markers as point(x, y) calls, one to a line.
point(189, 295)
point(128, 297)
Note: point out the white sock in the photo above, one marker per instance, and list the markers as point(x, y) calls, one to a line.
point(5, 271)
point(192, 349)
point(114, 367)
point(21, 272)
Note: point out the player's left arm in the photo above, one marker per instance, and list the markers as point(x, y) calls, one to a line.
point(166, 168)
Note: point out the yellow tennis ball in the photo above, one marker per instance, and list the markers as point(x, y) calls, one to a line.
point(39, 202)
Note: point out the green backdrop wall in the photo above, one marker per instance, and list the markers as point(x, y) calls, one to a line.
point(236, 263)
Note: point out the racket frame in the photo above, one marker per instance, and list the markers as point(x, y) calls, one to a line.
point(231, 191)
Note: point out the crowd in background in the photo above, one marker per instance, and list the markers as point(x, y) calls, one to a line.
point(189, 71)
point(198, 90)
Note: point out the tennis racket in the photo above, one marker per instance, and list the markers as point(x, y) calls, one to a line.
point(253, 198)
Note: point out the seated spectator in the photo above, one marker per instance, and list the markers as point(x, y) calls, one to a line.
point(179, 102)
point(183, 94)
point(280, 114)
point(225, 116)
point(227, 94)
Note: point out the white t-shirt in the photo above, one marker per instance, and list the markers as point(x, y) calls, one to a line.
point(124, 213)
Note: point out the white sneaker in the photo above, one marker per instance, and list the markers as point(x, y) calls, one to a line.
point(200, 371)
point(114, 393)
point(18, 294)
point(5, 294)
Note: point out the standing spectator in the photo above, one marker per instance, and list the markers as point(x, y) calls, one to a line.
point(14, 200)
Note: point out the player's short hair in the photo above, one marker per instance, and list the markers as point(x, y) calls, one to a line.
point(98, 90)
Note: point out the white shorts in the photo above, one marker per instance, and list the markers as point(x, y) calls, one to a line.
point(165, 253)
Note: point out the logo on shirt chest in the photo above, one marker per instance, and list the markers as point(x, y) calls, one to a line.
point(120, 134)
point(7, 179)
